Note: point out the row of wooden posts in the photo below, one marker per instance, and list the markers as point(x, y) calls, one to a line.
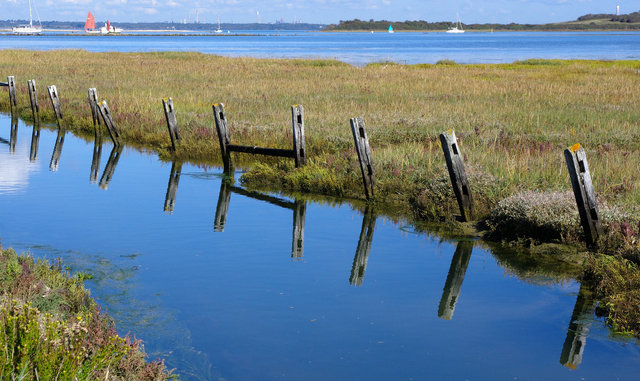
point(575, 156)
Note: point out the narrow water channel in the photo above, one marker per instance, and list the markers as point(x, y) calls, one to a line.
point(230, 284)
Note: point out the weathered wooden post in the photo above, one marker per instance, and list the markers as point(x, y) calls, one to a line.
point(364, 247)
point(13, 99)
point(35, 141)
point(297, 116)
point(583, 190)
point(55, 103)
point(222, 208)
point(103, 107)
point(95, 161)
point(457, 174)
point(33, 98)
point(57, 150)
point(13, 136)
point(93, 104)
point(299, 215)
point(573, 347)
point(172, 187)
point(172, 122)
point(455, 277)
point(364, 155)
point(110, 168)
point(222, 129)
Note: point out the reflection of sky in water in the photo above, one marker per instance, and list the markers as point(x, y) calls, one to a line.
point(15, 167)
point(230, 301)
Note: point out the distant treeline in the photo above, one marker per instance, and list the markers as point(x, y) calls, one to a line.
point(168, 25)
point(612, 22)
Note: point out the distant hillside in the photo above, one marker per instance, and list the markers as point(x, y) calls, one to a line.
point(629, 21)
point(6, 24)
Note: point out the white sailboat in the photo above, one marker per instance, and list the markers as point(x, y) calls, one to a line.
point(457, 28)
point(28, 29)
point(219, 30)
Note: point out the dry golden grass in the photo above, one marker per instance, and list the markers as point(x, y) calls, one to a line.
point(513, 120)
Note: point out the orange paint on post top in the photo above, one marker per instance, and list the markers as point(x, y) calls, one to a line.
point(575, 147)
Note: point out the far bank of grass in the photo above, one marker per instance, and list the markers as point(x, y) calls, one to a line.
point(513, 122)
point(50, 329)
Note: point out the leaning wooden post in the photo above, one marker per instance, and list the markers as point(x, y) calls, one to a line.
point(297, 117)
point(93, 104)
point(103, 107)
point(364, 155)
point(583, 190)
point(33, 98)
point(172, 122)
point(223, 135)
point(55, 102)
point(13, 99)
point(222, 208)
point(457, 174)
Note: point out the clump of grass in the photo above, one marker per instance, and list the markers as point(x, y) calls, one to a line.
point(617, 286)
point(50, 329)
point(447, 62)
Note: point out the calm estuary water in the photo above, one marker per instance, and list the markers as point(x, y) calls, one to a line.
point(361, 48)
point(229, 284)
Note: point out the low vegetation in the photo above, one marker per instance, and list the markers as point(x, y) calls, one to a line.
point(50, 329)
point(513, 122)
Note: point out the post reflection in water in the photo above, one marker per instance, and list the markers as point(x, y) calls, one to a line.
point(57, 150)
point(14, 134)
point(95, 161)
point(298, 207)
point(455, 277)
point(364, 247)
point(35, 141)
point(578, 331)
point(172, 187)
point(110, 168)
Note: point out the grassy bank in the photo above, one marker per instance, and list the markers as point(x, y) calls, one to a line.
point(512, 120)
point(52, 330)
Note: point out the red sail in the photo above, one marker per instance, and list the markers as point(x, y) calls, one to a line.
point(91, 22)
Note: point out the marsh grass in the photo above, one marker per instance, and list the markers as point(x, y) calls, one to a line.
point(52, 330)
point(512, 120)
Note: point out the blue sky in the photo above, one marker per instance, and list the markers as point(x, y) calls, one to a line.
point(316, 11)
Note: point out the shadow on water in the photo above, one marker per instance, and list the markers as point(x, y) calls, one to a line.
point(455, 277)
point(578, 330)
point(110, 168)
point(57, 150)
point(299, 208)
point(364, 247)
point(172, 187)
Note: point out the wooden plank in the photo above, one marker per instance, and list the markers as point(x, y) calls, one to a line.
point(93, 105)
point(581, 318)
point(261, 151)
point(576, 159)
point(13, 99)
point(455, 277)
point(222, 129)
point(299, 216)
point(361, 142)
point(172, 187)
point(13, 136)
point(172, 122)
point(35, 141)
point(457, 174)
point(222, 208)
point(364, 247)
point(33, 99)
point(57, 150)
point(110, 168)
point(55, 103)
point(299, 149)
point(107, 118)
point(95, 161)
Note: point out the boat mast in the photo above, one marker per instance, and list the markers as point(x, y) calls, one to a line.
point(30, 16)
